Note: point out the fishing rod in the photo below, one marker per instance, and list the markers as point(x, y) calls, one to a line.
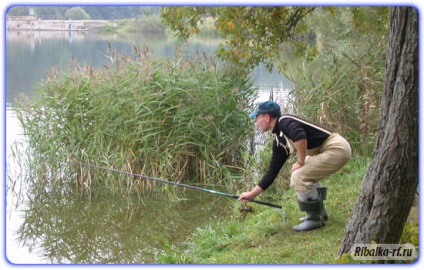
point(171, 183)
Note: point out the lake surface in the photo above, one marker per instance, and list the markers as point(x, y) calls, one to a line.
point(46, 229)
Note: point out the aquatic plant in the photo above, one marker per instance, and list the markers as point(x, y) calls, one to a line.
point(182, 118)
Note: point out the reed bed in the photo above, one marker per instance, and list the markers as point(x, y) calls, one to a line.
point(181, 119)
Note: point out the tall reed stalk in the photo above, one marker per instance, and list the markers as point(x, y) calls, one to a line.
point(182, 119)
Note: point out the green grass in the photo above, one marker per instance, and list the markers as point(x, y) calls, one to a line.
point(264, 237)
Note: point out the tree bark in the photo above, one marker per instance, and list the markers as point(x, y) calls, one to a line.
point(390, 183)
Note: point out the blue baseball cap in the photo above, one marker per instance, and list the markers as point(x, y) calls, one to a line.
point(269, 107)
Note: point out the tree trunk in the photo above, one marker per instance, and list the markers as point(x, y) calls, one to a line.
point(390, 183)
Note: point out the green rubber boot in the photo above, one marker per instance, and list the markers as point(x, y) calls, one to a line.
point(323, 193)
point(313, 218)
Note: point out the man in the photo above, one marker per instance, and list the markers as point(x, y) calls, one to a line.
point(320, 153)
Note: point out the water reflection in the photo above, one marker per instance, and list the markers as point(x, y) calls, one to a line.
point(72, 229)
point(51, 227)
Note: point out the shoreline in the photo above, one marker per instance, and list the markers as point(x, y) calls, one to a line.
point(32, 23)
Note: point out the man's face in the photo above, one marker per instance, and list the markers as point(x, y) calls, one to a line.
point(263, 122)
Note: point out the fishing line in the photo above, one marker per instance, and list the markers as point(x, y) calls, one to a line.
point(168, 182)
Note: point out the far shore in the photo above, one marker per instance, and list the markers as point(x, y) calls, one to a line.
point(33, 23)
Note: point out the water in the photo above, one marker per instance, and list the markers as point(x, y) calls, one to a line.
point(73, 229)
point(49, 228)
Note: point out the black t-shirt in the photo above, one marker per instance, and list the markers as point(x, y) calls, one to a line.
point(295, 129)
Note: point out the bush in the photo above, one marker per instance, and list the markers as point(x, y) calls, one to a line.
point(149, 25)
point(77, 13)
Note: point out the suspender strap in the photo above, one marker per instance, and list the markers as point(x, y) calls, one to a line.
point(306, 123)
point(282, 145)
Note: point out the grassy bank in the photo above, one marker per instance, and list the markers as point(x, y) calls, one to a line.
point(266, 236)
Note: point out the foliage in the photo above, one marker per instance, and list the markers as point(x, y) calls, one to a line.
point(410, 233)
point(370, 20)
point(337, 71)
point(43, 12)
point(182, 119)
point(150, 10)
point(341, 86)
point(77, 13)
point(253, 34)
point(18, 11)
point(149, 24)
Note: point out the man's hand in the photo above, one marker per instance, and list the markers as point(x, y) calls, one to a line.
point(296, 166)
point(247, 196)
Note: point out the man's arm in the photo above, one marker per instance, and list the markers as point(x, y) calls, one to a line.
point(301, 146)
point(278, 158)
